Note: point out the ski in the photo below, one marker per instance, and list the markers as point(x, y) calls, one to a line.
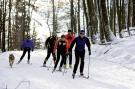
point(56, 71)
point(73, 76)
point(65, 71)
point(80, 76)
point(29, 63)
point(46, 66)
point(86, 77)
point(59, 71)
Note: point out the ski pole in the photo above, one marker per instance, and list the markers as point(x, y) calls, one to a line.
point(88, 67)
point(65, 70)
point(50, 65)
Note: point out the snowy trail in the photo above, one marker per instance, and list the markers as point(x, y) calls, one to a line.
point(106, 71)
point(104, 75)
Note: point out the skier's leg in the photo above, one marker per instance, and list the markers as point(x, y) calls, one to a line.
point(47, 57)
point(57, 61)
point(70, 59)
point(54, 57)
point(24, 52)
point(28, 55)
point(82, 62)
point(76, 62)
point(63, 60)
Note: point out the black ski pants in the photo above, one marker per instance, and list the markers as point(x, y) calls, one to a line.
point(63, 60)
point(25, 50)
point(49, 52)
point(70, 58)
point(79, 56)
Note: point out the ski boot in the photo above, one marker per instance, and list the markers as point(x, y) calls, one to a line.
point(65, 66)
point(81, 74)
point(73, 75)
point(44, 65)
point(28, 62)
point(60, 69)
point(18, 62)
point(70, 66)
point(53, 70)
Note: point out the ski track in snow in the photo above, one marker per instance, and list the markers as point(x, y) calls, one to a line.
point(111, 70)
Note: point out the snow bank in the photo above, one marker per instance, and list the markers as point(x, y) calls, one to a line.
point(111, 67)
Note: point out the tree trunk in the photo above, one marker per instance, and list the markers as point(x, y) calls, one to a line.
point(101, 27)
point(104, 17)
point(128, 20)
point(54, 22)
point(133, 20)
point(23, 24)
point(0, 21)
point(78, 16)
point(114, 17)
point(86, 16)
point(72, 15)
point(92, 19)
point(3, 27)
point(9, 27)
point(120, 13)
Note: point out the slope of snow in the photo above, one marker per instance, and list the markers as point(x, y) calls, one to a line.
point(111, 67)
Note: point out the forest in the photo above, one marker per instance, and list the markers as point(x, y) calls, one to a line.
point(105, 19)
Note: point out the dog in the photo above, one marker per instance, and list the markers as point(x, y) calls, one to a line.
point(11, 60)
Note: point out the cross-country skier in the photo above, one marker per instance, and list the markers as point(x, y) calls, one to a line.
point(50, 43)
point(69, 37)
point(27, 46)
point(62, 50)
point(80, 42)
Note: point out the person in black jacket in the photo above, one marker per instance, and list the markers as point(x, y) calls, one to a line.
point(50, 42)
point(61, 47)
point(80, 42)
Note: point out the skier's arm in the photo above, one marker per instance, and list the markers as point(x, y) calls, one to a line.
point(46, 42)
point(66, 46)
point(55, 46)
point(33, 45)
point(88, 44)
point(73, 37)
point(72, 45)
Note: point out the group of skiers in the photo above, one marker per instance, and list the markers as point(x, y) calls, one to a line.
point(64, 46)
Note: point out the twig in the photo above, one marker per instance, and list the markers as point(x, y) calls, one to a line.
point(23, 82)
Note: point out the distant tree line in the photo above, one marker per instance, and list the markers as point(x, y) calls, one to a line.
point(15, 18)
point(106, 18)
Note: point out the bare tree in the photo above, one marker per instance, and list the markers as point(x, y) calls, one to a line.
point(3, 26)
point(128, 19)
point(9, 26)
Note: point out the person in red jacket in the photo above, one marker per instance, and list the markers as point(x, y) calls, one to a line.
point(61, 46)
point(69, 37)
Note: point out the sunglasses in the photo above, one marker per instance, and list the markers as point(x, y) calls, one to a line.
point(82, 33)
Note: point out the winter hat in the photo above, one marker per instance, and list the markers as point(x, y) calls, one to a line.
point(69, 30)
point(82, 31)
point(62, 36)
point(28, 37)
point(53, 34)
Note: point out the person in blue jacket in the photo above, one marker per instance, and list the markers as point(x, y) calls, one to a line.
point(80, 42)
point(27, 46)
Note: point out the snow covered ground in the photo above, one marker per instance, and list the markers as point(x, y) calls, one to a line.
point(112, 67)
